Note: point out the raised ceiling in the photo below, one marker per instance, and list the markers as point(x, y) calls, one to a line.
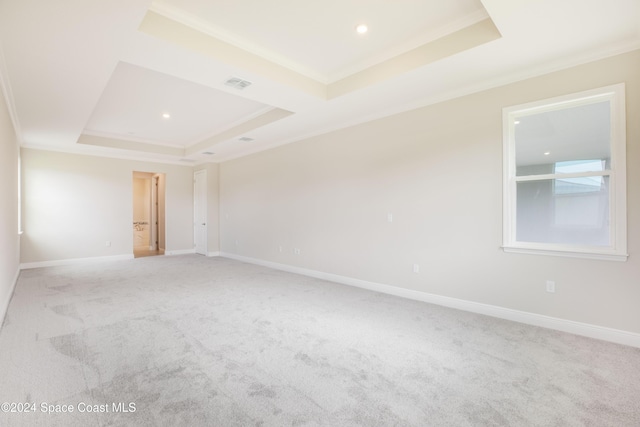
point(317, 38)
point(96, 76)
point(135, 100)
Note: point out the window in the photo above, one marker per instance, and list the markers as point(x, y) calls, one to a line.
point(564, 176)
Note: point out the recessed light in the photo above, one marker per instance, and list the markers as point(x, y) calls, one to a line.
point(362, 28)
point(517, 122)
point(546, 153)
point(166, 116)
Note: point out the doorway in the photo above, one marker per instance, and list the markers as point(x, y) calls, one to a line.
point(148, 214)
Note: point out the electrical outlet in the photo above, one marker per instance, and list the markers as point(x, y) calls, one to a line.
point(416, 268)
point(279, 248)
point(389, 217)
point(296, 251)
point(107, 243)
point(551, 286)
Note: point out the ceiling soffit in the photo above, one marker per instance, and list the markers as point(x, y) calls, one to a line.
point(172, 31)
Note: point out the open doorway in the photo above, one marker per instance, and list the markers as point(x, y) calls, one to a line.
point(148, 214)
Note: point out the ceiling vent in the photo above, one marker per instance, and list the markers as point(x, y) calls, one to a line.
point(237, 83)
point(245, 139)
point(208, 153)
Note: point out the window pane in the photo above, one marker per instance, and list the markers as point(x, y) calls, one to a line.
point(546, 139)
point(577, 166)
point(571, 211)
point(587, 184)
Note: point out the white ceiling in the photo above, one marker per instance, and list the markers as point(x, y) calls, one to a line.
point(135, 99)
point(317, 38)
point(95, 76)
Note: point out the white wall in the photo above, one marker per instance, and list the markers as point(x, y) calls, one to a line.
point(9, 238)
point(74, 204)
point(438, 171)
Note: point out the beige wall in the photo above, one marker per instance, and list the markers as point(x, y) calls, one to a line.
point(438, 171)
point(9, 239)
point(142, 199)
point(74, 204)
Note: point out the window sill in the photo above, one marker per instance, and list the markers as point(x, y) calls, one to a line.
point(604, 256)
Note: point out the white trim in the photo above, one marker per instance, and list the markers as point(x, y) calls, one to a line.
point(604, 256)
point(212, 254)
point(617, 250)
point(578, 328)
point(181, 252)
point(5, 87)
point(550, 176)
point(99, 151)
point(4, 309)
point(71, 261)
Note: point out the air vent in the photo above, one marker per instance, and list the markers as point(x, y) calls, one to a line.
point(245, 139)
point(208, 153)
point(237, 83)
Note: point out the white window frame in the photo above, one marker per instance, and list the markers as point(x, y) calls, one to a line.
point(617, 249)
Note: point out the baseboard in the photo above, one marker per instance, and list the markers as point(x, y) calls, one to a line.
point(180, 252)
point(584, 329)
point(217, 253)
point(4, 307)
point(70, 261)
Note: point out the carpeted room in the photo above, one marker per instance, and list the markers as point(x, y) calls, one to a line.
point(190, 340)
point(402, 198)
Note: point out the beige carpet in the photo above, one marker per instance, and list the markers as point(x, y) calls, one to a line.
point(197, 341)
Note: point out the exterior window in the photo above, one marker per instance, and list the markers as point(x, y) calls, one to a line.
point(564, 176)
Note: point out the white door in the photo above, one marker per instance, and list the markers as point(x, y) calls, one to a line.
point(200, 211)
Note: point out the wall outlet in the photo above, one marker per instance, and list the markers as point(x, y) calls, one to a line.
point(107, 243)
point(296, 251)
point(551, 286)
point(389, 217)
point(416, 268)
point(237, 243)
point(279, 248)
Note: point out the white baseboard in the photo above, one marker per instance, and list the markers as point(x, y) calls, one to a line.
point(4, 305)
point(592, 331)
point(70, 261)
point(217, 253)
point(180, 252)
